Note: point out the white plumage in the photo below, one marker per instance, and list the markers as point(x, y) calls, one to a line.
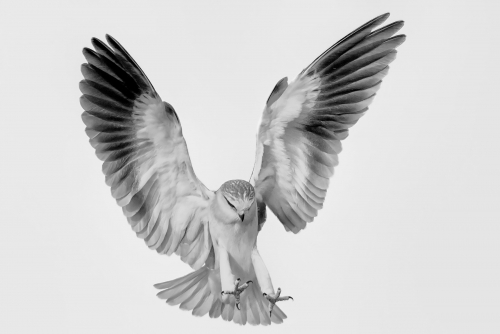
point(147, 166)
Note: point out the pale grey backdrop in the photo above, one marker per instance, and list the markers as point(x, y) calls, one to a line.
point(408, 241)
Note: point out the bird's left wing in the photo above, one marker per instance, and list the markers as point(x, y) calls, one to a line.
point(146, 161)
point(303, 123)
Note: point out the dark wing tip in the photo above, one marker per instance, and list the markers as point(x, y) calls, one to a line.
point(396, 25)
point(87, 50)
point(109, 37)
point(98, 44)
point(355, 35)
point(382, 17)
point(277, 91)
point(378, 20)
point(95, 40)
point(115, 44)
point(134, 67)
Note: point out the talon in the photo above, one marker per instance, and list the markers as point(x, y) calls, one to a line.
point(273, 299)
point(238, 290)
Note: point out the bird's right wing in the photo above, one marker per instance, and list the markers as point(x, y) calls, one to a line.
point(303, 123)
point(146, 161)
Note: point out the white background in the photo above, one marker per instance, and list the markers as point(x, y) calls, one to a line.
point(408, 241)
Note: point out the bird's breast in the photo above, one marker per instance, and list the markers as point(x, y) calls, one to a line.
point(237, 237)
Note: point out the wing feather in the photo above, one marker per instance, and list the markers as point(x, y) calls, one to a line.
point(145, 159)
point(304, 122)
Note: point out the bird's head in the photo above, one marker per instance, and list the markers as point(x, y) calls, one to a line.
point(238, 196)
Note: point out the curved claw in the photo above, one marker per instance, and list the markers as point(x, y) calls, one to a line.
point(273, 299)
point(238, 290)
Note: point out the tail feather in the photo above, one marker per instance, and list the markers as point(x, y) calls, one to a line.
point(171, 293)
point(249, 317)
point(261, 308)
point(197, 285)
point(240, 317)
point(254, 314)
point(204, 305)
point(216, 309)
point(200, 291)
point(227, 311)
point(278, 315)
point(199, 295)
point(169, 284)
point(187, 292)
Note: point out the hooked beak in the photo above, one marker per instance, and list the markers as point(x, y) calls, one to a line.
point(242, 215)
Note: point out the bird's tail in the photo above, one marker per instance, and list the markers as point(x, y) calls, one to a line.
point(200, 291)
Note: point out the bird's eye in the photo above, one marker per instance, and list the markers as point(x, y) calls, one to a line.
point(229, 203)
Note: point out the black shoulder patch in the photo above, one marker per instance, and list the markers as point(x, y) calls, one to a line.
point(277, 91)
point(261, 214)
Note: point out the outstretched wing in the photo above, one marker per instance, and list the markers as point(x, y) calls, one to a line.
point(146, 161)
point(303, 123)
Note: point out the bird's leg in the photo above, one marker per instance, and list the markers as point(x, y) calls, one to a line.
point(265, 281)
point(261, 272)
point(275, 298)
point(226, 276)
point(227, 279)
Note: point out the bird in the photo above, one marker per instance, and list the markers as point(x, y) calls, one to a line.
point(146, 164)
